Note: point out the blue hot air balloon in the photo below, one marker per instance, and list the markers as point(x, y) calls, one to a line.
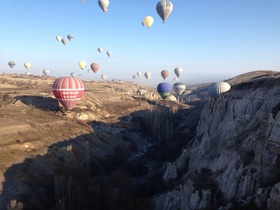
point(164, 89)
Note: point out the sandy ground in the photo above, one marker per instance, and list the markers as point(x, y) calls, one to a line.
point(31, 119)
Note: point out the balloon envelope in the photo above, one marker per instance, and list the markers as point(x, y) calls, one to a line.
point(99, 49)
point(103, 4)
point(109, 53)
point(68, 91)
point(139, 74)
point(164, 89)
point(178, 71)
point(27, 65)
point(179, 88)
point(164, 74)
point(94, 67)
point(217, 88)
point(134, 76)
point(82, 64)
point(103, 76)
point(46, 72)
point(148, 75)
point(64, 41)
point(70, 37)
point(12, 64)
point(73, 74)
point(58, 38)
point(164, 9)
point(148, 21)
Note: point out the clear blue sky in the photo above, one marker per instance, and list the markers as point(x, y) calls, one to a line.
point(210, 39)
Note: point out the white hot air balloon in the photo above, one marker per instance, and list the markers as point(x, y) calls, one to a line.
point(178, 71)
point(179, 88)
point(103, 4)
point(109, 53)
point(103, 76)
point(46, 72)
point(58, 38)
point(139, 74)
point(147, 75)
point(217, 88)
point(73, 74)
point(70, 37)
point(64, 41)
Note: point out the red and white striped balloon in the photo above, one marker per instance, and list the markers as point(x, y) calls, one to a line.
point(68, 91)
point(94, 67)
point(164, 74)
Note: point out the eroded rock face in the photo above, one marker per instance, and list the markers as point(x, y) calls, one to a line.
point(235, 155)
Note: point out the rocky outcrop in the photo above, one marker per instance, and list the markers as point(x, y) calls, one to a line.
point(234, 160)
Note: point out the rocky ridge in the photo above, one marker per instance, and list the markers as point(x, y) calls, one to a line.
point(234, 160)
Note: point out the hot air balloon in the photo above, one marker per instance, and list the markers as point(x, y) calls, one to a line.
point(83, 1)
point(73, 74)
point(109, 53)
point(70, 37)
point(103, 76)
point(94, 67)
point(148, 21)
point(143, 23)
point(27, 73)
point(58, 38)
point(64, 41)
point(103, 5)
point(148, 75)
point(100, 50)
point(68, 91)
point(27, 65)
point(217, 88)
point(46, 72)
point(164, 9)
point(139, 74)
point(164, 74)
point(82, 64)
point(12, 64)
point(164, 89)
point(134, 76)
point(178, 71)
point(179, 88)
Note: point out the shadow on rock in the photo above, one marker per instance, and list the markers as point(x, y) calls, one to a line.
point(40, 102)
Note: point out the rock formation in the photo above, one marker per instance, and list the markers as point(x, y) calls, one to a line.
point(234, 159)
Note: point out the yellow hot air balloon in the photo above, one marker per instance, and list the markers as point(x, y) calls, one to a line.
point(27, 65)
point(148, 21)
point(82, 64)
